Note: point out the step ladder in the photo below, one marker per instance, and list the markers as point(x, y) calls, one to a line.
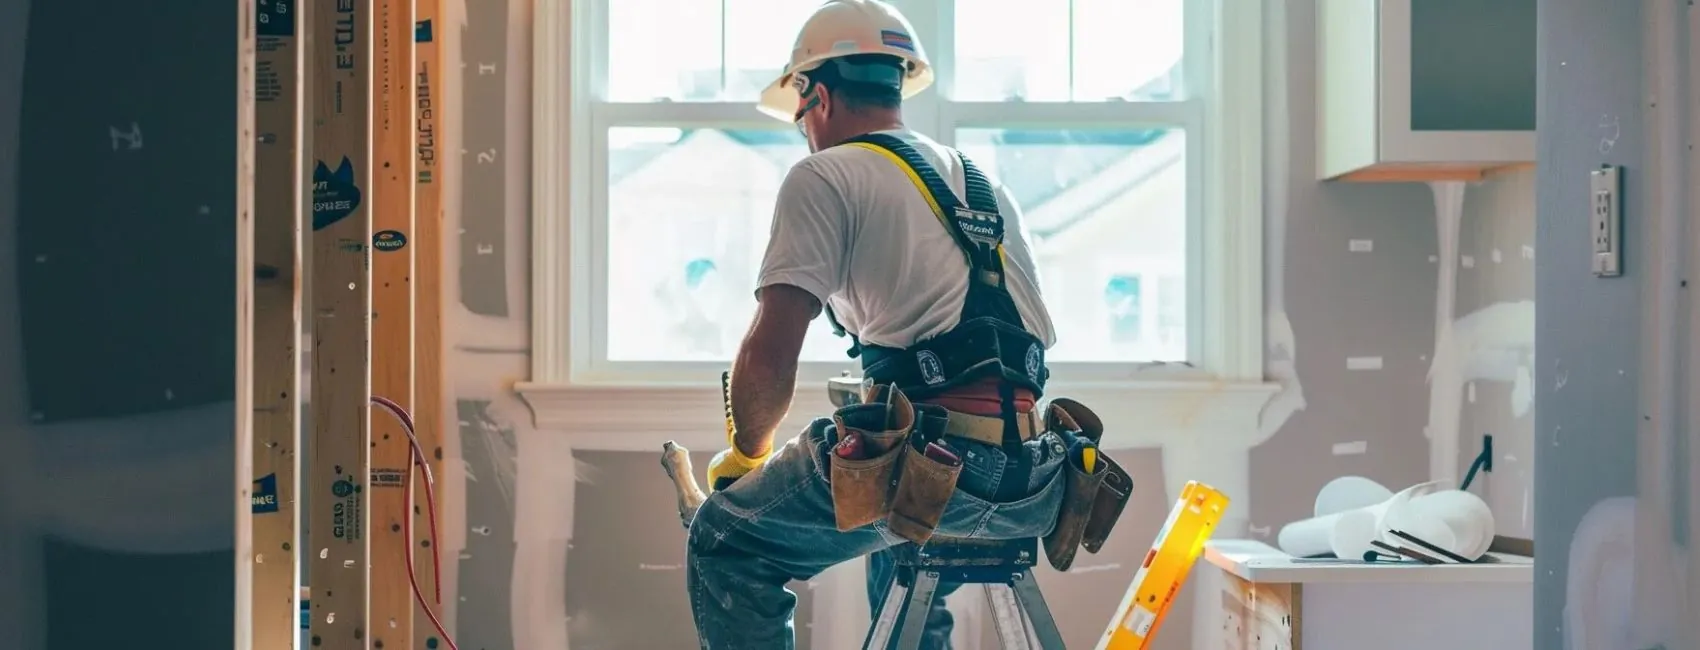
point(1019, 612)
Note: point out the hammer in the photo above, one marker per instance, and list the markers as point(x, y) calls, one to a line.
point(676, 459)
point(842, 391)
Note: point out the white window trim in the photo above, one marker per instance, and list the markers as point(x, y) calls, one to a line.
point(1226, 391)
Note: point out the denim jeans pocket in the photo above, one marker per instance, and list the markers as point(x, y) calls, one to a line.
point(1031, 516)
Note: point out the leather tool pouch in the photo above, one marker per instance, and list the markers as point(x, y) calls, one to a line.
point(1079, 493)
point(924, 488)
point(862, 487)
point(1107, 504)
point(1092, 503)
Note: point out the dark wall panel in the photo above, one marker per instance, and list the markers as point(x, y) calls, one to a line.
point(126, 186)
point(103, 600)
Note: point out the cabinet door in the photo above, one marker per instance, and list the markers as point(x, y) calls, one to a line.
point(1472, 65)
point(1458, 80)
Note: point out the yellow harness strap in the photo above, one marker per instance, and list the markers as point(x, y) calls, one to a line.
point(938, 211)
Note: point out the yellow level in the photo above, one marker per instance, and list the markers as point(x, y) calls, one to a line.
point(1165, 567)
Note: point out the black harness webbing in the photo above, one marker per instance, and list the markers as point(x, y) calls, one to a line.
point(989, 338)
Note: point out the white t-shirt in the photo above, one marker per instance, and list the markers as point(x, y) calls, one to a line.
point(851, 228)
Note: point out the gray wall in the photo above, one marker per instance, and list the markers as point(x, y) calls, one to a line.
point(1610, 522)
point(1495, 310)
point(1340, 304)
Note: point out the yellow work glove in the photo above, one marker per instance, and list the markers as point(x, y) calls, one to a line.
point(731, 465)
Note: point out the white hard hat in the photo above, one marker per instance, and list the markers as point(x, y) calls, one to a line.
point(842, 28)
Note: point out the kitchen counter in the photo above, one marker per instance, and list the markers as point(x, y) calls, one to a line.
point(1272, 601)
point(1259, 562)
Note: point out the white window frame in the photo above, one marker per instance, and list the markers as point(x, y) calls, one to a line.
point(1223, 123)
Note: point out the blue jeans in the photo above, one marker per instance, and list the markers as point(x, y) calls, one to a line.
point(776, 525)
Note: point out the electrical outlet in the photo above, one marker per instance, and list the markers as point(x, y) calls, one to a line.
point(1605, 220)
point(1602, 221)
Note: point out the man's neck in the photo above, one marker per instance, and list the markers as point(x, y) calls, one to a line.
point(872, 124)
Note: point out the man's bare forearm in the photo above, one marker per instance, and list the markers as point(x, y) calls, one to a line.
point(764, 375)
point(763, 383)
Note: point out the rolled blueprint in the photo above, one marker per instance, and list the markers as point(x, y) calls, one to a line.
point(1310, 537)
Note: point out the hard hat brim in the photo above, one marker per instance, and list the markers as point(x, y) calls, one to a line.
point(779, 100)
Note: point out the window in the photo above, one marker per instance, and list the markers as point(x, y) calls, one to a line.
point(1108, 120)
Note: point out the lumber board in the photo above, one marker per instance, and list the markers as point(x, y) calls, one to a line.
point(245, 578)
point(392, 318)
point(275, 276)
point(428, 394)
point(340, 65)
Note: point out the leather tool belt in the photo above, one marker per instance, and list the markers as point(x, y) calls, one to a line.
point(891, 473)
point(847, 391)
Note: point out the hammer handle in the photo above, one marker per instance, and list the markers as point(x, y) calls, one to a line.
point(677, 461)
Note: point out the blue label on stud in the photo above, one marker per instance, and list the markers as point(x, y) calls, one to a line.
point(265, 494)
point(388, 240)
point(334, 193)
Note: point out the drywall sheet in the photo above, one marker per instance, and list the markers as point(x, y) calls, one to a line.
point(626, 563)
point(126, 186)
point(485, 44)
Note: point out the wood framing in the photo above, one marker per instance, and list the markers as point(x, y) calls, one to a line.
point(391, 592)
point(392, 318)
point(341, 85)
point(428, 355)
point(1260, 615)
point(276, 362)
point(245, 580)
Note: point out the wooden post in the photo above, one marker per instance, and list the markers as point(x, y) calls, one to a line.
point(245, 371)
point(276, 358)
point(428, 313)
point(341, 90)
point(393, 134)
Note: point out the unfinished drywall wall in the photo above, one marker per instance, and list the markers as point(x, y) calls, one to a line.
point(1614, 417)
point(1351, 294)
point(116, 213)
point(1493, 338)
point(510, 568)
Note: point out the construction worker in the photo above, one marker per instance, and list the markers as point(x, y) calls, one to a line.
point(937, 290)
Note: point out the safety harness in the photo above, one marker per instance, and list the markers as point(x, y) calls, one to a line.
point(989, 339)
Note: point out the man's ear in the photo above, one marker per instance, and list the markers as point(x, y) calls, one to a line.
point(827, 107)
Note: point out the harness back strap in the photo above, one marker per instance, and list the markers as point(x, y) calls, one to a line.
point(978, 230)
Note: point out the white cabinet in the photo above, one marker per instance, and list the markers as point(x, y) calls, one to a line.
point(1421, 90)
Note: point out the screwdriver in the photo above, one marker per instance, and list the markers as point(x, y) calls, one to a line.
point(1085, 455)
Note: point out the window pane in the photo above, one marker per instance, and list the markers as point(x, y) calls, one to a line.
point(689, 212)
point(664, 50)
point(699, 50)
point(1060, 50)
point(759, 36)
point(1171, 310)
point(1107, 216)
point(1012, 49)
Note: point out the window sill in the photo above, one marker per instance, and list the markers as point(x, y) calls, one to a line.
point(1136, 414)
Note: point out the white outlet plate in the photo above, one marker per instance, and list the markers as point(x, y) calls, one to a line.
point(1605, 220)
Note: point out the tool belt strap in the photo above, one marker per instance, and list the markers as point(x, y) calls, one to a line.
point(989, 429)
